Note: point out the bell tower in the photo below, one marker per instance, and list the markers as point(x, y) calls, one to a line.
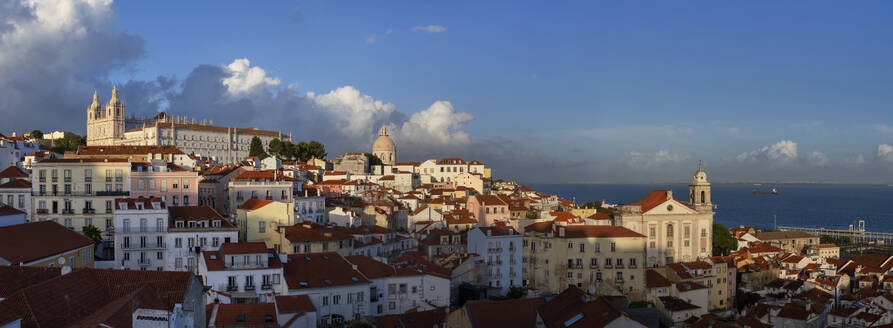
point(699, 191)
point(105, 125)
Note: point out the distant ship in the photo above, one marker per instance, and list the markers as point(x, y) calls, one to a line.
point(771, 192)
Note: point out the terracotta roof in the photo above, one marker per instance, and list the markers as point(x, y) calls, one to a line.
point(243, 248)
point(494, 313)
point(698, 265)
point(320, 270)
point(14, 278)
point(565, 217)
point(688, 286)
point(654, 198)
point(294, 304)
point(307, 232)
point(584, 231)
point(263, 175)
point(778, 235)
point(16, 184)
point(459, 216)
point(27, 242)
point(254, 204)
point(83, 160)
point(675, 304)
point(489, 200)
point(13, 172)
point(654, 279)
point(193, 213)
point(246, 131)
point(6, 210)
point(422, 319)
point(373, 269)
point(128, 150)
point(133, 202)
point(791, 311)
point(764, 248)
point(245, 315)
point(568, 309)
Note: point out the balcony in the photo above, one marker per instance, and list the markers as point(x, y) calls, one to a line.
point(67, 179)
point(579, 266)
point(112, 193)
point(129, 230)
point(144, 262)
point(608, 266)
point(631, 266)
point(593, 266)
point(67, 211)
point(249, 287)
point(108, 179)
point(108, 211)
point(42, 211)
point(141, 247)
point(266, 287)
point(495, 250)
point(88, 179)
point(619, 266)
point(89, 211)
point(42, 179)
point(232, 288)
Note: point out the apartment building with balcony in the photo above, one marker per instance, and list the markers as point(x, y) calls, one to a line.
point(396, 290)
point(192, 230)
point(310, 237)
point(607, 258)
point(15, 189)
point(310, 208)
point(242, 273)
point(500, 245)
point(214, 187)
point(267, 185)
point(79, 192)
point(140, 233)
point(174, 184)
point(338, 291)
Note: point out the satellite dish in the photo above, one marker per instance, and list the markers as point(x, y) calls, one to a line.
point(61, 260)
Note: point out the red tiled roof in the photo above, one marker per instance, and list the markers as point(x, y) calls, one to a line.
point(14, 278)
point(654, 279)
point(254, 204)
point(307, 232)
point(242, 131)
point(245, 315)
point(494, 313)
point(6, 210)
point(294, 304)
point(243, 248)
point(584, 231)
point(792, 311)
point(698, 265)
point(133, 202)
point(128, 150)
point(654, 198)
point(13, 172)
point(422, 319)
point(84, 160)
point(320, 270)
point(263, 175)
point(489, 200)
point(16, 184)
point(27, 242)
point(374, 269)
point(193, 213)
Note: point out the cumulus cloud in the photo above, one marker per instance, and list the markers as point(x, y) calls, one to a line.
point(355, 113)
point(885, 152)
point(784, 151)
point(430, 29)
point(53, 54)
point(817, 158)
point(245, 79)
point(660, 157)
point(439, 124)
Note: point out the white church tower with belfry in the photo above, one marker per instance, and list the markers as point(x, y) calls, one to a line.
point(105, 125)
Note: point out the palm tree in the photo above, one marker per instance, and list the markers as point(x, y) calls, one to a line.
point(93, 233)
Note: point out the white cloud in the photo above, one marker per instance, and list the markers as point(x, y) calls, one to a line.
point(430, 29)
point(885, 152)
point(854, 161)
point(355, 113)
point(660, 157)
point(817, 159)
point(370, 39)
point(784, 151)
point(245, 79)
point(439, 124)
point(53, 54)
point(883, 129)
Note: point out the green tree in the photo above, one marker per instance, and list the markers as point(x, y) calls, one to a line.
point(276, 148)
point(532, 215)
point(838, 241)
point(288, 150)
point(316, 149)
point(257, 148)
point(68, 143)
point(37, 134)
point(93, 233)
point(723, 241)
point(373, 160)
point(516, 292)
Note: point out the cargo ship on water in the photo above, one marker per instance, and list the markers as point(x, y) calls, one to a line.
point(770, 192)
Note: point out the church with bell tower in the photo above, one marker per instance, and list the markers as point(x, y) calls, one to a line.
point(675, 230)
point(105, 124)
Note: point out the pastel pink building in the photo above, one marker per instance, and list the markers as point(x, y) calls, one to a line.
point(487, 209)
point(176, 185)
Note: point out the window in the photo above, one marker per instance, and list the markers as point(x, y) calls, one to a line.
point(178, 262)
point(582, 247)
point(598, 248)
point(88, 175)
point(651, 245)
point(215, 241)
point(619, 276)
point(159, 255)
point(570, 245)
point(262, 227)
point(593, 262)
point(670, 230)
point(598, 276)
point(613, 247)
point(632, 262)
point(336, 299)
point(392, 306)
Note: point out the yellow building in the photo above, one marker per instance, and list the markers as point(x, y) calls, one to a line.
point(310, 237)
point(44, 244)
point(608, 258)
point(259, 219)
point(714, 275)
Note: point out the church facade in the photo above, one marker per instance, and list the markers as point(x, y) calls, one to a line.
point(107, 125)
point(675, 230)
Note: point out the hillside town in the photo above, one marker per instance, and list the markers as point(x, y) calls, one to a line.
point(169, 221)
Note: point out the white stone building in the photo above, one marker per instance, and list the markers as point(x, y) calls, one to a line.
point(107, 125)
point(395, 290)
point(192, 230)
point(310, 208)
point(502, 247)
point(140, 227)
point(242, 273)
point(337, 289)
point(15, 189)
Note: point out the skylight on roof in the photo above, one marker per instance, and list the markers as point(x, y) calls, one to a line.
point(328, 282)
point(354, 279)
point(240, 318)
point(573, 320)
point(303, 283)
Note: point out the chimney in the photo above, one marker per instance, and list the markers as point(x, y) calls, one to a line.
point(669, 194)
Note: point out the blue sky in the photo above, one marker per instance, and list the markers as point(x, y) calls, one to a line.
point(559, 92)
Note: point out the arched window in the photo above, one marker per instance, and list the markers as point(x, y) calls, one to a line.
point(692, 197)
point(703, 200)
